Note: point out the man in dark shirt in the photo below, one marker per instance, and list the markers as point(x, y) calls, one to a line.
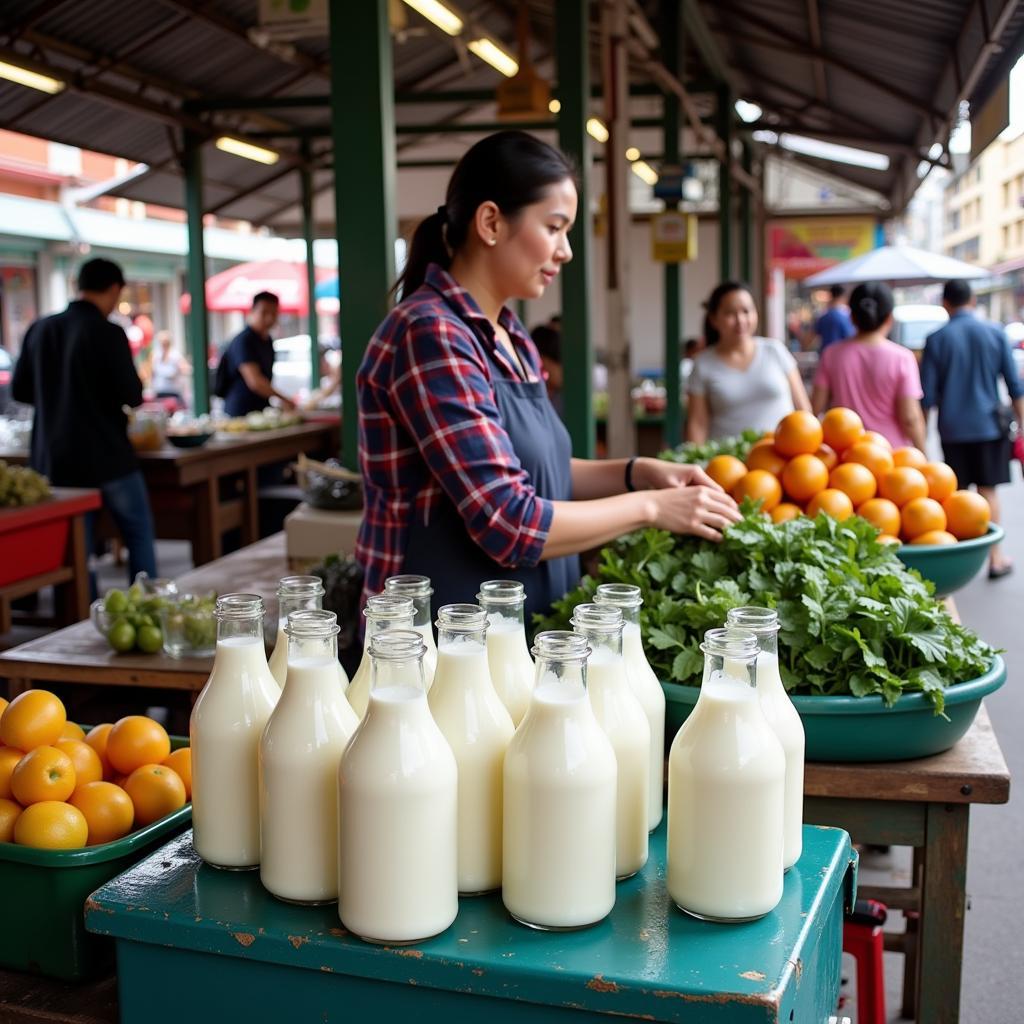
point(834, 324)
point(250, 361)
point(76, 368)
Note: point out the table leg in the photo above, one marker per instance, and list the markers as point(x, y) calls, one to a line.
point(16, 687)
point(206, 545)
point(912, 947)
point(251, 514)
point(78, 588)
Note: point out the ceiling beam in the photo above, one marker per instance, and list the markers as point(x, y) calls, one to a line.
point(698, 34)
point(814, 30)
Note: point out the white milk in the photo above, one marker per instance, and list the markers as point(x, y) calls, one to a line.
point(430, 655)
point(622, 718)
point(510, 663)
point(299, 755)
point(397, 819)
point(559, 837)
point(478, 729)
point(644, 684)
point(784, 719)
point(279, 660)
point(224, 733)
point(726, 797)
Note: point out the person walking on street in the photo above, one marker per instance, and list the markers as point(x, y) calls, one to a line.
point(835, 324)
point(960, 371)
point(76, 369)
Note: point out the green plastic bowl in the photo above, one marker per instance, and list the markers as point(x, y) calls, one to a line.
point(861, 729)
point(950, 566)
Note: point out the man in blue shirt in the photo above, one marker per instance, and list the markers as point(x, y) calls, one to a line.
point(249, 366)
point(834, 324)
point(960, 373)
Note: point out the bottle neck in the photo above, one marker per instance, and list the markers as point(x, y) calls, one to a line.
point(560, 679)
point(603, 643)
point(247, 628)
point(378, 623)
point(768, 644)
point(313, 648)
point(504, 616)
point(467, 640)
point(742, 670)
point(630, 614)
point(397, 674)
point(288, 603)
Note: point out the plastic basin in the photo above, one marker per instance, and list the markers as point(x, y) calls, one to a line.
point(861, 729)
point(950, 566)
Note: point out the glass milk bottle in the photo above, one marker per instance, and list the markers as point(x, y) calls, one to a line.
point(507, 652)
point(294, 594)
point(558, 868)
point(299, 754)
point(644, 683)
point(782, 717)
point(622, 717)
point(419, 590)
point(384, 611)
point(397, 806)
point(224, 732)
point(477, 727)
point(726, 792)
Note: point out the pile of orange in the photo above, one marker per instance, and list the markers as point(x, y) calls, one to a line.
point(61, 789)
point(837, 467)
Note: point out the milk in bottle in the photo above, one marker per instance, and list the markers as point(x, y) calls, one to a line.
point(726, 792)
point(622, 717)
point(419, 590)
point(224, 732)
point(782, 717)
point(296, 593)
point(397, 806)
point(299, 756)
point(478, 728)
point(383, 611)
point(644, 683)
point(507, 652)
point(558, 869)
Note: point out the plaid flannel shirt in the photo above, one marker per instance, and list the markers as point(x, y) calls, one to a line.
point(429, 428)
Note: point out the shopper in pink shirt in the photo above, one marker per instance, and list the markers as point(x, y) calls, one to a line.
point(876, 378)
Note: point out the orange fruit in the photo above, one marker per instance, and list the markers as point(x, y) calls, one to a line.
point(97, 739)
point(134, 741)
point(942, 481)
point(51, 825)
point(935, 537)
point(726, 471)
point(155, 791)
point(768, 435)
point(3, 703)
point(967, 513)
point(9, 811)
point(903, 484)
point(920, 516)
point(181, 762)
point(9, 757)
point(799, 433)
point(828, 456)
point(759, 485)
point(909, 456)
point(764, 456)
point(881, 513)
point(874, 437)
point(785, 511)
point(832, 502)
point(855, 480)
point(876, 458)
point(888, 538)
point(45, 773)
point(72, 731)
point(33, 719)
point(841, 428)
point(88, 766)
point(804, 476)
point(108, 809)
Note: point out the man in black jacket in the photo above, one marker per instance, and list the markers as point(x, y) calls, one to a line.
point(76, 368)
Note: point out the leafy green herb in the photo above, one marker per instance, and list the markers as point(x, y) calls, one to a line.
point(704, 453)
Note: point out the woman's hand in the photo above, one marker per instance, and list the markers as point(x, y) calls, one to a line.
point(654, 474)
point(697, 510)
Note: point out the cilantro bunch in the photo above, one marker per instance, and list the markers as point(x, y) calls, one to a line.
point(702, 454)
point(854, 620)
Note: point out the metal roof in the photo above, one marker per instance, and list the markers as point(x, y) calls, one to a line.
point(880, 76)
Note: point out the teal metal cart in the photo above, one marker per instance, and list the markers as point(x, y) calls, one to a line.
point(203, 945)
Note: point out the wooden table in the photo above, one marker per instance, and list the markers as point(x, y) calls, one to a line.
point(198, 494)
point(78, 654)
point(924, 804)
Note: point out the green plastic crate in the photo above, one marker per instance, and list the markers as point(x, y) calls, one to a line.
point(44, 894)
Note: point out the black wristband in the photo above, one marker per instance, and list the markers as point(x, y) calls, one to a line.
point(629, 474)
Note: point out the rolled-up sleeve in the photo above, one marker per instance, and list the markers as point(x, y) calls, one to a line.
point(443, 397)
point(1008, 368)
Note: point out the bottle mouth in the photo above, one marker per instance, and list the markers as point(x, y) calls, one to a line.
point(233, 607)
point(462, 618)
point(388, 606)
point(503, 592)
point(312, 624)
point(560, 645)
point(300, 586)
point(416, 587)
point(397, 645)
point(622, 595)
point(760, 621)
point(730, 642)
point(597, 618)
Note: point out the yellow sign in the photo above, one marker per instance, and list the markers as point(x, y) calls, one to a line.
point(673, 237)
point(804, 245)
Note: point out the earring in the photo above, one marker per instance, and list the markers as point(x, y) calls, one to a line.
point(492, 241)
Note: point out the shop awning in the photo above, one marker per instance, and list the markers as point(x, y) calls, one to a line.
point(233, 290)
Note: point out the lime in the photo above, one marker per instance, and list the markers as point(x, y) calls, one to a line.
point(116, 602)
point(149, 639)
point(136, 593)
point(121, 636)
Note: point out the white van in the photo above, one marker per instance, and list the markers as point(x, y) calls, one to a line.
point(913, 323)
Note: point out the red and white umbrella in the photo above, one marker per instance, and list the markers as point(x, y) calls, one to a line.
point(233, 290)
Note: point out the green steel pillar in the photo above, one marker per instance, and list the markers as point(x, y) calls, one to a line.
point(197, 322)
point(572, 32)
point(363, 134)
point(309, 234)
point(723, 119)
point(747, 219)
point(672, 51)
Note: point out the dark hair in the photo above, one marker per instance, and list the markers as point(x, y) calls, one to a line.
point(871, 305)
point(714, 300)
point(837, 291)
point(265, 297)
point(548, 340)
point(511, 169)
point(957, 293)
point(98, 275)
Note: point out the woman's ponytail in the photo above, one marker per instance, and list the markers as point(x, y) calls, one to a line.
point(427, 246)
